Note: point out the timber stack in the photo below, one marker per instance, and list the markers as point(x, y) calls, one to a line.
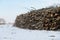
point(41, 19)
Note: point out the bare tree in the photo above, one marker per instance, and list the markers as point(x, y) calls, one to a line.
point(2, 21)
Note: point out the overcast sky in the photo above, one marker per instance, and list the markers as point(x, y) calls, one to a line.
point(9, 9)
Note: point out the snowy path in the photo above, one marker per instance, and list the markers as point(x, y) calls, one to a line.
point(7, 32)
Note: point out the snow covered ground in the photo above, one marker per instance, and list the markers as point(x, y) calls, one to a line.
point(8, 32)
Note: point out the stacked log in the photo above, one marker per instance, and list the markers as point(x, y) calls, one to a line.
point(41, 19)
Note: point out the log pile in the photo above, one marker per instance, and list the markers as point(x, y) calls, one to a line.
point(41, 19)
